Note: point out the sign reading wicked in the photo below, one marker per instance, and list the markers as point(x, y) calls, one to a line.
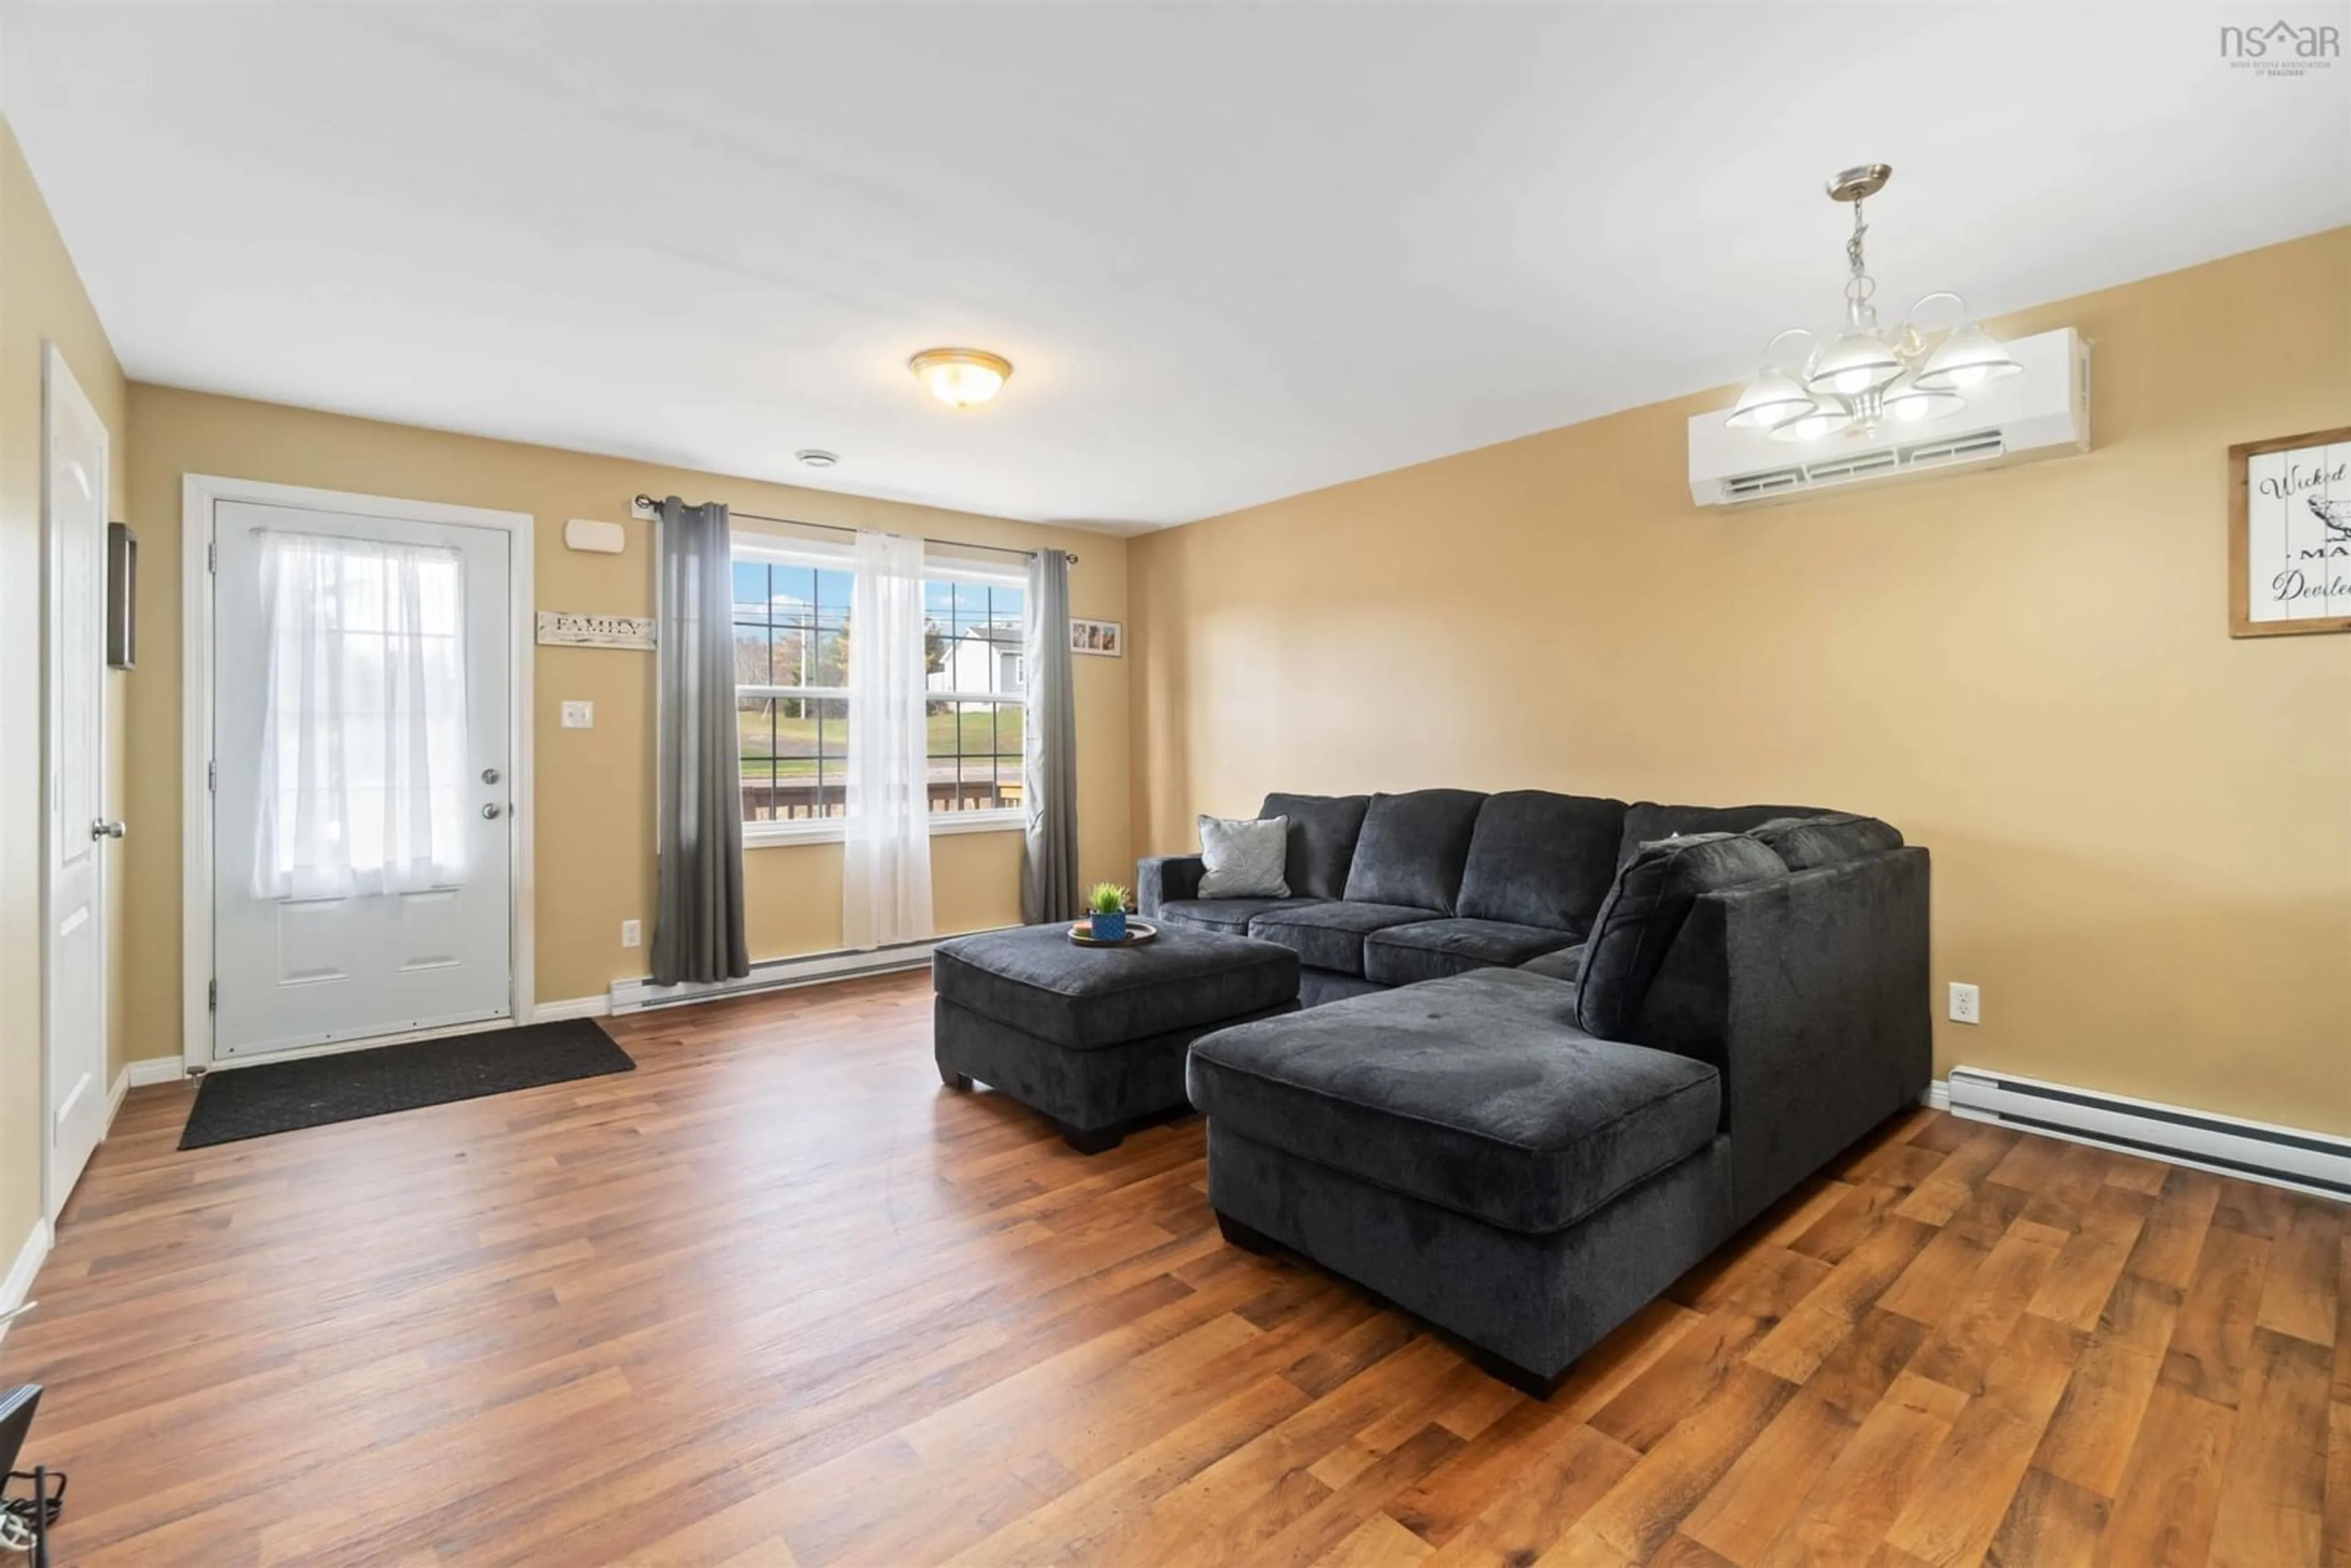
point(2290, 534)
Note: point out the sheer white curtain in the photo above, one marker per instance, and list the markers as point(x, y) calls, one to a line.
point(363, 740)
point(886, 860)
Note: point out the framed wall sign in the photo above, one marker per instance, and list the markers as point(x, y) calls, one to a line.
point(2290, 534)
point(568, 629)
point(1104, 639)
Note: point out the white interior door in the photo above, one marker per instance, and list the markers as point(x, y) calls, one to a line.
point(361, 825)
point(73, 504)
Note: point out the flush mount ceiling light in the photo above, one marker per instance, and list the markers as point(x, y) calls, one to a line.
point(960, 377)
point(1866, 375)
point(814, 457)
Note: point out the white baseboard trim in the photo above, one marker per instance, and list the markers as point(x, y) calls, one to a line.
point(156, 1069)
point(1937, 1096)
point(114, 1094)
point(778, 974)
point(2316, 1163)
point(576, 1008)
point(19, 1282)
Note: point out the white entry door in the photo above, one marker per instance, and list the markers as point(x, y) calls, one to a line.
point(363, 800)
point(73, 500)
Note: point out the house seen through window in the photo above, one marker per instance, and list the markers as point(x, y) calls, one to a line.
point(794, 639)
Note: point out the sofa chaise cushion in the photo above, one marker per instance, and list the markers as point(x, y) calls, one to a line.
point(1645, 911)
point(1432, 950)
point(1413, 849)
point(1229, 915)
point(1542, 859)
point(1032, 979)
point(1331, 936)
point(1832, 839)
point(1322, 833)
point(1646, 821)
point(1566, 964)
point(1477, 1093)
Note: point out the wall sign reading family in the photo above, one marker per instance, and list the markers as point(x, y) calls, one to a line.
point(570, 629)
point(1101, 637)
point(2290, 534)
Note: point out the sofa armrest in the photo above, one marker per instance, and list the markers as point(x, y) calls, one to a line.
point(1809, 993)
point(1164, 879)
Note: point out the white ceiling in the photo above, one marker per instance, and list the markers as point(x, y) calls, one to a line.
point(1235, 253)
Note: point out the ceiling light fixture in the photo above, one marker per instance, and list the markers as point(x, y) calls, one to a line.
point(1865, 375)
point(815, 457)
point(960, 377)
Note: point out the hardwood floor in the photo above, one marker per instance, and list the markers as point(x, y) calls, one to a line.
point(778, 1298)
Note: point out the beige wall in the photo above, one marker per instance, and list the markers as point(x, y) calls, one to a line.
point(2141, 829)
point(593, 804)
point(41, 301)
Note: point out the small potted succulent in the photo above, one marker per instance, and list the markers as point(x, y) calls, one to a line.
point(1107, 901)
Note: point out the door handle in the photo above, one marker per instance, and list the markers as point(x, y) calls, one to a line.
point(102, 829)
point(490, 812)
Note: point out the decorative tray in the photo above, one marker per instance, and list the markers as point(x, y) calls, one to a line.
point(1138, 932)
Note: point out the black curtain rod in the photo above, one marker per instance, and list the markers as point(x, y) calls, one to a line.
point(649, 504)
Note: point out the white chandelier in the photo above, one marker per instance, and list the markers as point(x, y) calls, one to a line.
point(1849, 386)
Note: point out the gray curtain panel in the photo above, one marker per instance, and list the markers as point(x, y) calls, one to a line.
point(1049, 770)
point(698, 916)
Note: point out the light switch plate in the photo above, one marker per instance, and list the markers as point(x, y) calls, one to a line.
point(579, 715)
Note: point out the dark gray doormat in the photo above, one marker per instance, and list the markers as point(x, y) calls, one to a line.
point(281, 1096)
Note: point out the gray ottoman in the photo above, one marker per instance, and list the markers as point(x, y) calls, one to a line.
point(1095, 1037)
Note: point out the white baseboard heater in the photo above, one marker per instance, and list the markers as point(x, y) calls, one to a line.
point(636, 996)
point(2286, 1156)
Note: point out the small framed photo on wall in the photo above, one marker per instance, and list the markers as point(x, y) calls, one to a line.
point(2290, 534)
point(1104, 639)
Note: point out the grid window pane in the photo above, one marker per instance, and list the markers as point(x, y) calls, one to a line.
point(832, 756)
point(828, 658)
point(752, 646)
point(755, 746)
point(750, 591)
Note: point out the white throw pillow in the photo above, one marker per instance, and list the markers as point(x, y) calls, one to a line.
point(1246, 857)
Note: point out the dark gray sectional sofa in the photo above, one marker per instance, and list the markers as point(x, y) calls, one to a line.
point(1564, 1047)
point(1387, 890)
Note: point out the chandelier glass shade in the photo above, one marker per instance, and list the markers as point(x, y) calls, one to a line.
point(1867, 374)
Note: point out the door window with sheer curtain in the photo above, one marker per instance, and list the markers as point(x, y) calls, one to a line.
point(364, 729)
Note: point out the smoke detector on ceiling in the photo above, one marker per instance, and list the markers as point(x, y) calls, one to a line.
point(813, 457)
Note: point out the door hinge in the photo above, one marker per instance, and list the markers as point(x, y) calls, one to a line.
point(212, 995)
point(212, 775)
point(212, 558)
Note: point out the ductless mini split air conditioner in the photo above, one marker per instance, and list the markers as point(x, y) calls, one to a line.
point(2044, 412)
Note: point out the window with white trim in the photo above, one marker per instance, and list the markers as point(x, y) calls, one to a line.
point(793, 641)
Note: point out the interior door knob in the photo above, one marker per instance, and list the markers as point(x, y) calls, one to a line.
point(102, 829)
point(490, 810)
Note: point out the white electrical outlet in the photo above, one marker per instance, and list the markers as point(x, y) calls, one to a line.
point(579, 715)
point(632, 933)
point(1966, 1005)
